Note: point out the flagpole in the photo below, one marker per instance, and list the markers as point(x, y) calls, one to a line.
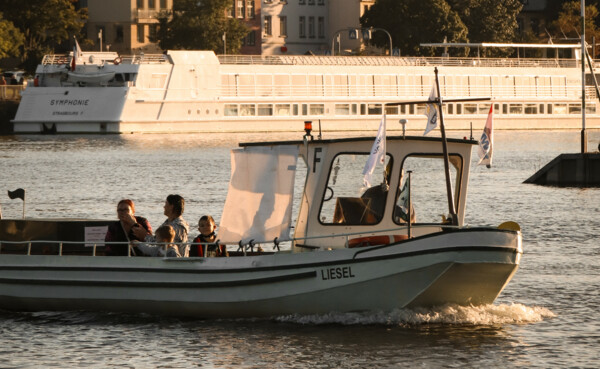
point(24, 197)
point(445, 152)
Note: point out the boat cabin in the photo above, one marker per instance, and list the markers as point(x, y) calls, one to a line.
point(336, 208)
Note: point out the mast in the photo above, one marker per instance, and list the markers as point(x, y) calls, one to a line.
point(583, 50)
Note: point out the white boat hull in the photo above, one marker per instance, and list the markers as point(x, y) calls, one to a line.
point(464, 267)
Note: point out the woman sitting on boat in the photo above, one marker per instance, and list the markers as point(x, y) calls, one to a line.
point(174, 206)
point(206, 240)
point(124, 229)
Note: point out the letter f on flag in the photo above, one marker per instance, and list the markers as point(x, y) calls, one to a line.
point(431, 111)
point(487, 141)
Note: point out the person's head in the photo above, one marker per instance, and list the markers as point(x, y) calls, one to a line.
point(174, 206)
point(206, 225)
point(165, 233)
point(125, 208)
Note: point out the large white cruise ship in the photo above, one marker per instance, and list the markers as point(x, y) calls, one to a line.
point(196, 91)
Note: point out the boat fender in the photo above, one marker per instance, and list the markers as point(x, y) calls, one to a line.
point(118, 60)
point(376, 240)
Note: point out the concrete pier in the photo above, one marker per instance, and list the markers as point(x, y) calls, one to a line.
point(570, 170)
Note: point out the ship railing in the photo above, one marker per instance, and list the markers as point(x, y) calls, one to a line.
point(397, 61)
point(101, 58)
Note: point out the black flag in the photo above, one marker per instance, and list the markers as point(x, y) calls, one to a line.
point(19, 193)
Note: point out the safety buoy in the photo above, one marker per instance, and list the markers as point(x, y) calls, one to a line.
point(376, 240)
point(117, 60)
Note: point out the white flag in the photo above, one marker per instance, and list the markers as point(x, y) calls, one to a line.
point(431, 111)
point(377, 154)
point(487, 141)
point(76, 55)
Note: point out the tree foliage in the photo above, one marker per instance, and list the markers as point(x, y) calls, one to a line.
point(412, 22)
point(45, 24)
point(200, 25)
point(11, 39)
point(568, 24)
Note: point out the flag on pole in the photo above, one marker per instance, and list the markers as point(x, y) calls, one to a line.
point(377, 154)
point(19, 193)
point(431, 111)
point(487, 141)
point(76, 54)
point(403, 200)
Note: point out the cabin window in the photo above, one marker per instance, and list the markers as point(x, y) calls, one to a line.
point(345, 199)
point(282, 109)
point(574, 108)
point(590, 108)
point(484, 108)
point(354, 109)
point(374, 109)
point(496, 108)
point(391, 110)
point(342, 109)
point(560, 108)
point(459, 109)
point(531, 109)
point(295, 109)
point(428, 194)
point(265, 109)
point(363, 109)
point(421, 109)
point(230, 110)
point(549, 108)
point(247, 110)
point(516, 108)
point(504, 108)
point(450, 108)
point(317, 109)
point(470, 108)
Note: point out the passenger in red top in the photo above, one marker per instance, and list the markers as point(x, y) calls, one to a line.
point(207, 226)
point(122, 230)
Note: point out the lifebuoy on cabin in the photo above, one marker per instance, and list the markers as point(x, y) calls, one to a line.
point(118, 60)
point(376, 240)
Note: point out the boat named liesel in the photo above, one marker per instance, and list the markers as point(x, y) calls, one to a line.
point(351, 248)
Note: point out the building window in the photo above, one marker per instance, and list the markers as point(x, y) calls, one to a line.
point(153, 32)
point(118, 34)
point(267, 26)
point(283, 26)
point(302, 27)
point(321, 27)
point(141, 36)
point(311, 27)
point(250, 9)
point(240, 8)
point(140, 4)
point(151, 4)
point(250, 39)
point(163, 4)
point(231, 10)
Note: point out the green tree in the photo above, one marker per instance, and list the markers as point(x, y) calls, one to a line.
point(412, 22)
point(568, 24)
point(200, 25)
point(11, 39)
point(489, 21)
point(44, 23)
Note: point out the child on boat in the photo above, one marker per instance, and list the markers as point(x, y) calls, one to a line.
point(164, 237)
point(206, 240)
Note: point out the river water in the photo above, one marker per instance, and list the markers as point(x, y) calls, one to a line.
point(546, 317)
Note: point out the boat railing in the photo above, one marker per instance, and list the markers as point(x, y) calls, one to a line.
point(100, 58)
point(397, 61)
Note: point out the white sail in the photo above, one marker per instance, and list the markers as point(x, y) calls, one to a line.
point(259, 201)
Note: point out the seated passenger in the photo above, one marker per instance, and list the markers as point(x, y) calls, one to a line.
point(123, 230)
point(207, 226)
point(164, 236)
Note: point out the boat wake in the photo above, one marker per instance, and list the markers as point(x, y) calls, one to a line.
point(447, 314)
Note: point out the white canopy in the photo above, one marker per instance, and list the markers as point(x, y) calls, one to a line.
point(259, 200)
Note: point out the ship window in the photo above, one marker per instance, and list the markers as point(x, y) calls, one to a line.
point(516, 109)
point(496, 108)
point(574, 108)
point(541, 108)
point(265, 109)
point(317, 109)
point(504, 108)
point(411, 109)
point(590, 108)
point(549, 108)
point(374, 109)
point(354, 109)
point(247, 110)
point(421, 109)
point(484, 108)
point(345, 200)
point(363, 109)
point(342, 109)
point(402, 109)
point(470, 108)
point(282, 109)
point(450, 108)
point(230, 110)
point(428, 194)
point(391, 110)
point(458, 108)
point(531, 109)
point(560, 108)
point(295, 109)
point(304, 109)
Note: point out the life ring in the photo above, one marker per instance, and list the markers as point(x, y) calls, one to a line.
point(376, 240)
point(118, 60)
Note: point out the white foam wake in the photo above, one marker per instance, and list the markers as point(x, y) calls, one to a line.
point(447, 314)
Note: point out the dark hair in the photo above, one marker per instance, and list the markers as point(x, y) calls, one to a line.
point(128, 202)
point(207, 218)
point(178, 203)
point(165, 232)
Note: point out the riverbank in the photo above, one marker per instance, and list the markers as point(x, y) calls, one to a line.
point(8, 109)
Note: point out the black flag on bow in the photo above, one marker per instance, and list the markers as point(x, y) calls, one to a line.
point(19, 193)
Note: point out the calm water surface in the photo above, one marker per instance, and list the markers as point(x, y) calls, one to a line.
point(546, 317)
